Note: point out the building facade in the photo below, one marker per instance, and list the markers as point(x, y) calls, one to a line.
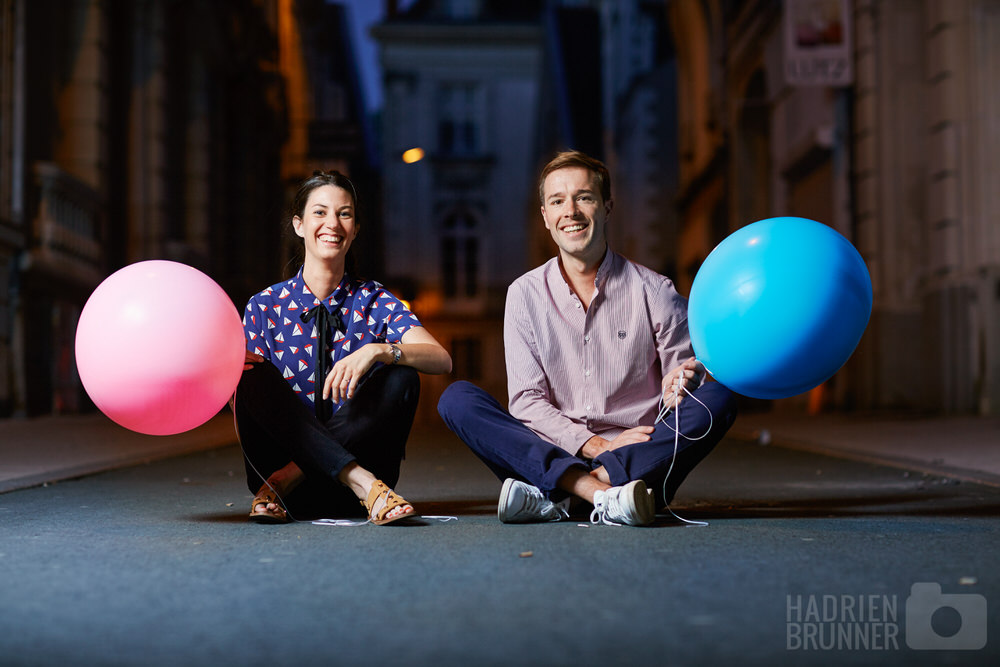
point(460, 93)
point(640, 137)
point(151, 129)
point(883, 129)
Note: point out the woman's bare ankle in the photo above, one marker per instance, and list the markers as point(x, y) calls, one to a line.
point(357, 479)
point(284, 480)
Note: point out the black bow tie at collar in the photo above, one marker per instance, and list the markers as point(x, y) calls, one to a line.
point(325, 321)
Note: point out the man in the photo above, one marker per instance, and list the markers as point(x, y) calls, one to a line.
point(593, 343)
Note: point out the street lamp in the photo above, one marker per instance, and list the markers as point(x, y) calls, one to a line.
point(413, 155)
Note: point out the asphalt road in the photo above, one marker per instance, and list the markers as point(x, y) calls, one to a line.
point(805, 560)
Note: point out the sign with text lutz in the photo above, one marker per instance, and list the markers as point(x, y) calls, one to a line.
point(818, 43)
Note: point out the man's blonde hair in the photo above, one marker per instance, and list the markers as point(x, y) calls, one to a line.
point(577, 159)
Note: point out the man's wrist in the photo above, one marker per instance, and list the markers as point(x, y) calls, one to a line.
point(593, 447)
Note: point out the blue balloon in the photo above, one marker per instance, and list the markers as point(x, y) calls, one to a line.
point(779, 306)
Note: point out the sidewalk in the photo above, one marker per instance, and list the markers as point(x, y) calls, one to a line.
point(51, 449)
point(966, 448)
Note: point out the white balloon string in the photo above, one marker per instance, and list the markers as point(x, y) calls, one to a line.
point(277, 495)
point(661, 417)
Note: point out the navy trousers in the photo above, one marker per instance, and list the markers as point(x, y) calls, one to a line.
point(275, 428)
point(511, 449)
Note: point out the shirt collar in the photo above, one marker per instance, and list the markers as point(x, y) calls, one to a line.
point(558, 284)
point(333, 302)
point(607, 266)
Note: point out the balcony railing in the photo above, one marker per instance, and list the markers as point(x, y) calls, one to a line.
point(67, 225)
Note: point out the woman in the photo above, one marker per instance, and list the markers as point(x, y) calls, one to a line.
point(330, 387)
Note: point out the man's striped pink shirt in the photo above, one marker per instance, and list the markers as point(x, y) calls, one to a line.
point(572, 372)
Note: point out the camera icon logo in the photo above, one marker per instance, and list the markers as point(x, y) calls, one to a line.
point(928, 607)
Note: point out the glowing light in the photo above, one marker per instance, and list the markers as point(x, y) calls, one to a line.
point(413, 155)
point(406, 304)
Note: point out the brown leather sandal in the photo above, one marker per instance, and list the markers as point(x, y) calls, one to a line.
point(265, 497)
point(382, 500)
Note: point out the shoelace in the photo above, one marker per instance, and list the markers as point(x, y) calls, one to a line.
point(601, 509)
point(535, 504)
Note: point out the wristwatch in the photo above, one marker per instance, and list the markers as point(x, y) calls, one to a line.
point(396, 353)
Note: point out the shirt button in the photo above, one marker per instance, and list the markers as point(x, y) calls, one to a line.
point(587, 373)
point(586, 339)
point(589, 408)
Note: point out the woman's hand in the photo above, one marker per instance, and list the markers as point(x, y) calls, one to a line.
point(251, 359)
point(343, 378)
point(418, 348)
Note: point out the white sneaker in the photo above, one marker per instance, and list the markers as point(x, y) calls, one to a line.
point(631, 504)
point(524, 503)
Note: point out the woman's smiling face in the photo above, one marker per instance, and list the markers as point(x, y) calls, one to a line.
point(327, 225)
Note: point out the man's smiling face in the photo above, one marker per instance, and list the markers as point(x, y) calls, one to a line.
point(575, 214)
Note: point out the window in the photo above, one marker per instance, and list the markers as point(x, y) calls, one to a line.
point(458, 129)
point(460, 257)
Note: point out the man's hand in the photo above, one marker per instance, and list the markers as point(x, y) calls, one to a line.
point(687, 377)
point(598, 445)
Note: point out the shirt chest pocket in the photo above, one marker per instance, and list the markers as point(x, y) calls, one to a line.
point(631, 347)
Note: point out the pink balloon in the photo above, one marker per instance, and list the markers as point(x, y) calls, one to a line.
point(159, 347)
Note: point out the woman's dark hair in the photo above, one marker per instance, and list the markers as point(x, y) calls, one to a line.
point(318, 180)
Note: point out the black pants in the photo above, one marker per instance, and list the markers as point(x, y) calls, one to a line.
point(275, 428)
